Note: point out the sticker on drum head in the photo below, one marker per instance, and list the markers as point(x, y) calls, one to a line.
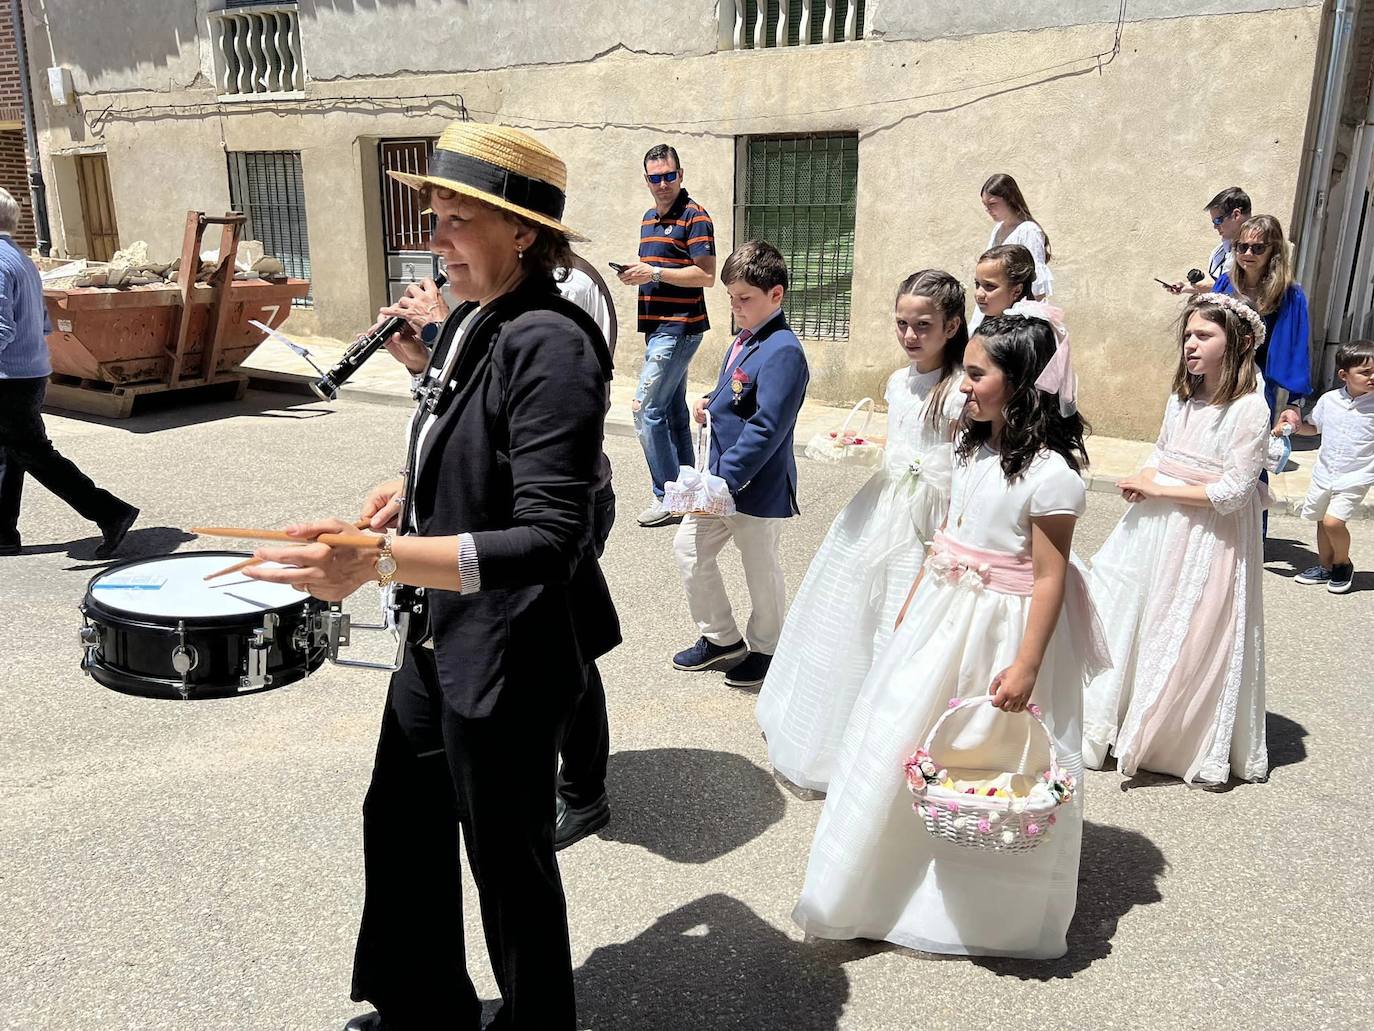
point(133, 583)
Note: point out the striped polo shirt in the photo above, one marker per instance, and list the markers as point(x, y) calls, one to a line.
point(674, 240)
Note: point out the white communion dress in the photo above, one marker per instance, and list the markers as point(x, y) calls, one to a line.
point(1178, 587)
point(874, 872)
point(847, 605)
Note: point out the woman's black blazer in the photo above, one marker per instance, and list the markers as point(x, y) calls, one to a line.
point(512, 459)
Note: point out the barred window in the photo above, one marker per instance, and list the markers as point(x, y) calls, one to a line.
point(798, 193)
point(266, 186)
point(257, 49)
point(754, 24)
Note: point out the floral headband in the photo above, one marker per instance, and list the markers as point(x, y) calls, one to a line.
point(1240, 308)
point(1058, 376)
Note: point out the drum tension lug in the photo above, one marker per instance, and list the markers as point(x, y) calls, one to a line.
point(184, 659)
point(90, 642)
point(259, 648)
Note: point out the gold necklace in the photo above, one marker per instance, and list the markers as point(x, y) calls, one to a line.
point(973, 487)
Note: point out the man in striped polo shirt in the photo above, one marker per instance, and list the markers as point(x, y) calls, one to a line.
point(677, 261)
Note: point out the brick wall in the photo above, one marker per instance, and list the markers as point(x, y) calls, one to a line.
point(10, 97)
point(14, 177)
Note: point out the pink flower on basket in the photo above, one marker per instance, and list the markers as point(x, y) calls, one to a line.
point(953, 807)
point(1051, 819)
point(984, 827)
point(1034, 710)
point(953, 702)
point(1032, 829)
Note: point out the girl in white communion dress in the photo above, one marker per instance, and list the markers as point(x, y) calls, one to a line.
point(847, 606)
point(1000, 609)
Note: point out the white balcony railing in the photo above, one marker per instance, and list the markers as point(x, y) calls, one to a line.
point(745, 24)
point(258, 50)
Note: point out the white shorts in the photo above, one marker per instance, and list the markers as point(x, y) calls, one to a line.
point(1338, 504)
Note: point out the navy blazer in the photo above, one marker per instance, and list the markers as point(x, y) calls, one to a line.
point(751, 431)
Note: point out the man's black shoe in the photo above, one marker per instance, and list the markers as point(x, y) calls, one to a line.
point(572, 825)
point(114, 533)
point(366, 1022)
point(10, 546)
point(705, 655)
point(750, 672)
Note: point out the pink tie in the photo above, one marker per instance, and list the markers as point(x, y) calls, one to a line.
point(740, 341)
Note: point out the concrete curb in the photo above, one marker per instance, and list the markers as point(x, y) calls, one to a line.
point(618, 425)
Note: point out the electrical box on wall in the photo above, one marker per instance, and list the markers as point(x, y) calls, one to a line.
point(60, 85)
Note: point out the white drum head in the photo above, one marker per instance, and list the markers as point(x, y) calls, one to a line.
point(175, 586)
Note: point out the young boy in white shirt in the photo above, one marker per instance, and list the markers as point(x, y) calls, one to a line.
point(1344, 470)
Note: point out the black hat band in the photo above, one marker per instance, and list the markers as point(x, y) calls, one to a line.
point(520, 190)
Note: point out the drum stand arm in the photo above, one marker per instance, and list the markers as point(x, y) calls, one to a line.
point(339, 628)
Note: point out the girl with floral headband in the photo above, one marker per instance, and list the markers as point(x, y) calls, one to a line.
point(1262, 277)
point(1000, 609)
point(1179, 580)
point(847, 605)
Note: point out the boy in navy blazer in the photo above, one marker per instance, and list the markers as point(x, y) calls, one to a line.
point(753, 407)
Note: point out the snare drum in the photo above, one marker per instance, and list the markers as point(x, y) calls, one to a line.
point(155, 627)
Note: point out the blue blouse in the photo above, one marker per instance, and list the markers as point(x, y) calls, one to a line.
point(1286, 361)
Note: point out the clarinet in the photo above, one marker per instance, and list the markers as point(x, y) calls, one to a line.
point(326, 388)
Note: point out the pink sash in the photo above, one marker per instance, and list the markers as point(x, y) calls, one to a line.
point(963, 565)
point(1193, 476)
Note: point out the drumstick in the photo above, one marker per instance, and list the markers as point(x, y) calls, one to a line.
point(361, 524)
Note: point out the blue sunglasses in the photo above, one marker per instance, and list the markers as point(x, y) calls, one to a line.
point(662, 177)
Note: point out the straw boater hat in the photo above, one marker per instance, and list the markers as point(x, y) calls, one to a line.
point(504, 167)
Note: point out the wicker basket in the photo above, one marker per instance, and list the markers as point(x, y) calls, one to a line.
point(1008, 823)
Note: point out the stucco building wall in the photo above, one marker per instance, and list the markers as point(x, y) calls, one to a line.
point(1116, 152)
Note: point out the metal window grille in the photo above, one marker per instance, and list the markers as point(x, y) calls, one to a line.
point(266, 186)
point(257, 48)
point(756, 24)
point(798, 193)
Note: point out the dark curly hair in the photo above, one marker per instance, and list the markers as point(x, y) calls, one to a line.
point(1021, 347)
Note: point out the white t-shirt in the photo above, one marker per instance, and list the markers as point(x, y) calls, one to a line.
point(1346, 458)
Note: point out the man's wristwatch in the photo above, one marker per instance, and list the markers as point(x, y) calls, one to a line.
point(386, 563)
point(656, 275)
point(429, 333)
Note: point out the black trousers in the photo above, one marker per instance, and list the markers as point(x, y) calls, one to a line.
point(587, 742)
point(25, 447)
point(494, 777)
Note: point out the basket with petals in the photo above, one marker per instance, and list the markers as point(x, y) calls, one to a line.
point(1001, 810)
point(845, 445)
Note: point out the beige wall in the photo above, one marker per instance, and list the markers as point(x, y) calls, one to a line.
point(1116, 160)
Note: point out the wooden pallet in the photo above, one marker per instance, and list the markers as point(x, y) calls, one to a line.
point(116, 401)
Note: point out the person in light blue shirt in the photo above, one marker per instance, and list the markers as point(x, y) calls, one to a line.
point(24, 369)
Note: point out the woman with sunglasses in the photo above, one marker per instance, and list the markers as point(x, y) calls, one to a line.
point(1263, 277)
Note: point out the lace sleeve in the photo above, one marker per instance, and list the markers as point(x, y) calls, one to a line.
point(1162, 441)
point(1245, 455)
point(1030, 236)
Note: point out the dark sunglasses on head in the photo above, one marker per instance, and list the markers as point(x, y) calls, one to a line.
point(1251, 248)
point(662, 177)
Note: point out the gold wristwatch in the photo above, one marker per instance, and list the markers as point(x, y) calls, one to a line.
point(386, 563)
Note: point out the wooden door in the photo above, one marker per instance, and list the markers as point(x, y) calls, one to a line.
point(97, 206)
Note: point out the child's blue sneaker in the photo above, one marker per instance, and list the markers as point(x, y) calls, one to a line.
point(1315, 575)
point(1342, 577)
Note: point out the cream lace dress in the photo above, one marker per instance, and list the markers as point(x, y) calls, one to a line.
point(846, 607)
point(1178, 589)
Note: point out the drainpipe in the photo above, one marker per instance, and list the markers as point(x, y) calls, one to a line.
point(37, 191)
point(1319, 183)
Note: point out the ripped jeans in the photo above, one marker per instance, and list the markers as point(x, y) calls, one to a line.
point(662, 420)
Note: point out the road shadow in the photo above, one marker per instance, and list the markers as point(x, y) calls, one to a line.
point(170, 411)
point(1119, 870)
point(689, 805)
point(1286, 557)
point(1285, 740)
point(714, 963)
point(141, 542)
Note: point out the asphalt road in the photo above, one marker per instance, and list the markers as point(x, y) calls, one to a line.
point(169, 865)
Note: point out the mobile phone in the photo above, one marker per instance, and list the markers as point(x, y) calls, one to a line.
point(617, 266)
